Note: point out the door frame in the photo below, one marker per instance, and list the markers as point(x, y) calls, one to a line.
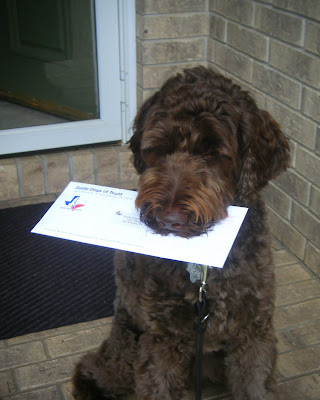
point(117, 97)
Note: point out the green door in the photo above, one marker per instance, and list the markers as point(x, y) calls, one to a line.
point(48, 56)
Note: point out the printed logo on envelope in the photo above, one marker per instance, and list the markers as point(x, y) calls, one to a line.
point(75, 203)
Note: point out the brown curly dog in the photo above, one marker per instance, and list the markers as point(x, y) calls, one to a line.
point(200, 144)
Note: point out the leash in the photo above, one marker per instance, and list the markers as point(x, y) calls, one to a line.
point(202, 317)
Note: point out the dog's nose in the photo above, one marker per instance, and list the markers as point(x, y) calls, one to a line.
point(173, 221)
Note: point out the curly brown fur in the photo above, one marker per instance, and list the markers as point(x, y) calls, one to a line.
point(200, 144)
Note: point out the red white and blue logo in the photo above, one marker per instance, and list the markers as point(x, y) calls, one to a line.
point(75, 203)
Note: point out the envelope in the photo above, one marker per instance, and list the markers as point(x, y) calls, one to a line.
point(107, 217)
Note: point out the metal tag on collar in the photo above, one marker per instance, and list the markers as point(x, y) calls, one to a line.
point(195, 272)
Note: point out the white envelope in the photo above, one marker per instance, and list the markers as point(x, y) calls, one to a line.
point(107, 217)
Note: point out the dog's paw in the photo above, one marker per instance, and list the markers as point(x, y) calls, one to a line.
point(87, 390)
point(85, 386)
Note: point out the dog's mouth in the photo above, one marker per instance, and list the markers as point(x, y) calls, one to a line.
point(174, 222)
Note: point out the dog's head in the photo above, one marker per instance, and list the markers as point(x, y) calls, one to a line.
point(201, 144)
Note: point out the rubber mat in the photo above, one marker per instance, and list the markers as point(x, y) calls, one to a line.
point(47, 282)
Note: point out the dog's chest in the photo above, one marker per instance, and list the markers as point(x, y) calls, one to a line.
point(160, 297)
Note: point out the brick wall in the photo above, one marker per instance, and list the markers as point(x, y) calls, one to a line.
point(272, 48)
point(171, 35)
point(42, 177)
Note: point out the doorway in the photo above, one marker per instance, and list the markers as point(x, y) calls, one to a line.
point(52, 43)
point(65, 60)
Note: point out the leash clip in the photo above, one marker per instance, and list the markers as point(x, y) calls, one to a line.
point(202, 290)
point(204, 274)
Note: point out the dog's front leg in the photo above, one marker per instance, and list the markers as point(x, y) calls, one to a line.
point(163, 368)
point(108, 373)
point(250, 370)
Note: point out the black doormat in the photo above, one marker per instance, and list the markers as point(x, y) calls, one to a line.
point(47, 282)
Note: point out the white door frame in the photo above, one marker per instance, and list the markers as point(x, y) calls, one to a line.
point(128, 65)
point(117, 89)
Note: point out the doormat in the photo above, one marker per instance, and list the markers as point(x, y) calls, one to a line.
point(46, 282)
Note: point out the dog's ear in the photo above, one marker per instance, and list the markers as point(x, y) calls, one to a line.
point(264, 151)
point(138, 129)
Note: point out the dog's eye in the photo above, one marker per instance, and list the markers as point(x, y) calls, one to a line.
point(153, 157)
point(147, 150)
point(149, 154)
point(213, 157)
point(226, 157)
